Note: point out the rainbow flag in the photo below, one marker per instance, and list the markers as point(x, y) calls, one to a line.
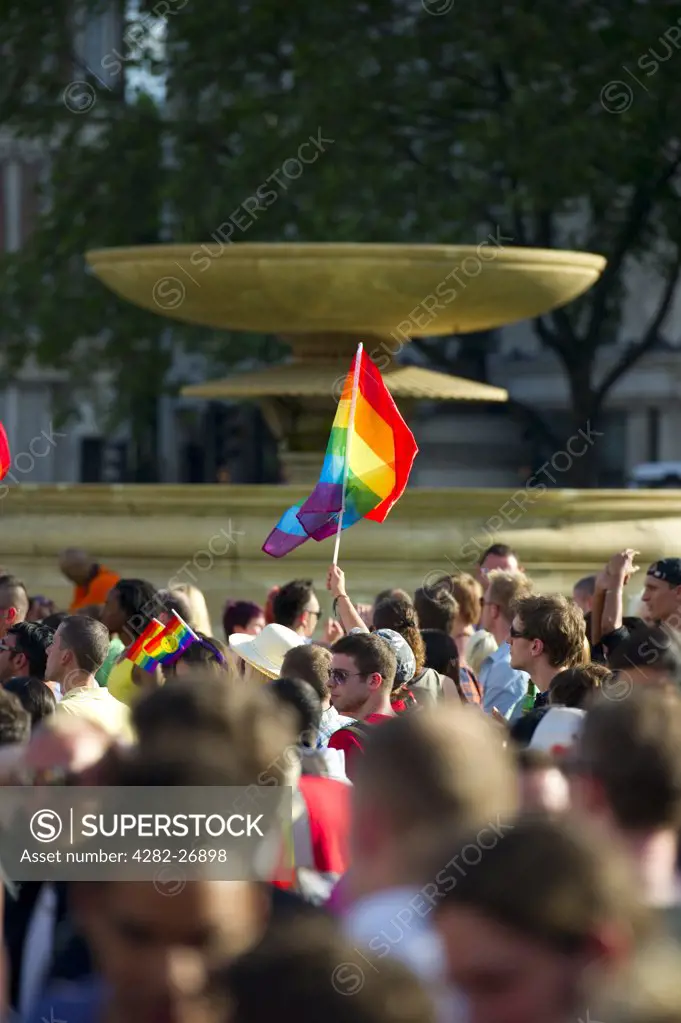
point(135, 652)
point(5, 457)
point(161, 644)
point(167, 645)
point(368, 460)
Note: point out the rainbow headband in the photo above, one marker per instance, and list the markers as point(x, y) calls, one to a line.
point(161, 644)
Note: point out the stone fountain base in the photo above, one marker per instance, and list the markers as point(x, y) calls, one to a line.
point(212, 535)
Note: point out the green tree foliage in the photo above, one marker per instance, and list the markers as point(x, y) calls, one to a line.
point(554, 121)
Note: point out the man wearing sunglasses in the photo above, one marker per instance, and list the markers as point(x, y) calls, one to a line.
point(547, 636)
point(23, 650)
point(362, 675)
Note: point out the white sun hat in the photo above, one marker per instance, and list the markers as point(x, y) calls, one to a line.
point(558, 730)
point(267, 650)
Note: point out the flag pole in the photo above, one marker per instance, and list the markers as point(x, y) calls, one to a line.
point(346, 467)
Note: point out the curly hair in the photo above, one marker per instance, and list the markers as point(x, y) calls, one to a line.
point(400, 615)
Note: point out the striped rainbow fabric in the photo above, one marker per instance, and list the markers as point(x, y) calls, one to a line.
point(379, 452)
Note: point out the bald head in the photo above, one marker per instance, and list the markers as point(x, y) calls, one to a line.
point(76, 565)
point(14, 602)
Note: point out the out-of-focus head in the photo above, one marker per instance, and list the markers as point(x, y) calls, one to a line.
point(467, 592)
point(158, 944)
point(15, 721)
point(576, 687)
point(251, 729)
point(399, 615)
point(301, 698)
point(242, 616)
point(206, 657)
point(34, 695)
point(583, 593)
point(309, 967)
point(441, 652)
point(517, 958)
point(40, 608)
point(296, 606)
point(497, 556)
point(386, 594)
point(171, 600)
point(651, 655)
point(627, 767)
point(420, 772)
point(435, 606)
point(14, 602)
point(312, 663)
point(77, 565)
point(502, 590)
point(193, 598)
point(130, 606)
point(54, 621)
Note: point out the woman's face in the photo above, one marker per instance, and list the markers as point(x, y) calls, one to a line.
point(255, 625)
point(505, 977)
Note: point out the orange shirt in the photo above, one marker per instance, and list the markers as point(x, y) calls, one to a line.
point(96, 591)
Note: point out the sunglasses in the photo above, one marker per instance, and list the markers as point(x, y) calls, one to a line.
point(518, 634)
point(340, 677)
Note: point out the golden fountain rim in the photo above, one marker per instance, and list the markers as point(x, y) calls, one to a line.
point(347, 250)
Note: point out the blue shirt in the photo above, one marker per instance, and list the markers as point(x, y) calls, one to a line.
point(502, 685)
point(71, 1002)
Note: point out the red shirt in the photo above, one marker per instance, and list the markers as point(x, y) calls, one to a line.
point(350, 744)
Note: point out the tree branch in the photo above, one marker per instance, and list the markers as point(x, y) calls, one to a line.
point(649, 339)
point(639, 209)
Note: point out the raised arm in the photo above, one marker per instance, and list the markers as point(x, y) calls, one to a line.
point(342, 605)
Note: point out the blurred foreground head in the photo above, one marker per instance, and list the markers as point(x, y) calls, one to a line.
point(157, 942)
point(530, 915)
point(247, 728)
point(304, 970)
point(439, 768)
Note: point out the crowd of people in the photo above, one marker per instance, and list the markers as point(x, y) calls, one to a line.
point(486, 799)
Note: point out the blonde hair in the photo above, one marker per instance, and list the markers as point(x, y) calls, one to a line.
point(505, 588)
point(467, 593)
point(192, 595)
point(479, 647)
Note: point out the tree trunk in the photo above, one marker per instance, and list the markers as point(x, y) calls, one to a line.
point(582, 456)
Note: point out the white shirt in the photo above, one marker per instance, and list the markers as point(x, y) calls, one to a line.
point(398, 922)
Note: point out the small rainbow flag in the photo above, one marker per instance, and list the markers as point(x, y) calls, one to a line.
point(5, 457)
point(135, 652)
point(167, 645)
point(368, 460)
